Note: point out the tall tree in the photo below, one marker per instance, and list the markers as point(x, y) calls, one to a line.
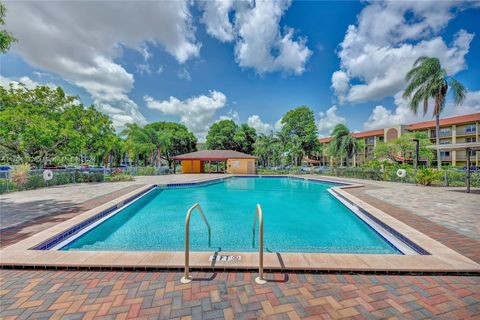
point(244, 138)
point(268, 150)
point(227, 135)
point(428, 80)
point(179, 139)
point(343, 143)
point(302, 133)
point(6, 38)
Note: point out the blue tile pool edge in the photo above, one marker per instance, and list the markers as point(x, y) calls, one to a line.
point(412, 245)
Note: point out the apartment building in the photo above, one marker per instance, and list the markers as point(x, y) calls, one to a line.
point(456, 135)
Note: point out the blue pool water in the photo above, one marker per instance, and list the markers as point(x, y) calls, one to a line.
point(299, 216)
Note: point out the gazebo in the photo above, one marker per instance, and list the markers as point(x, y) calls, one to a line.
point(235, 162)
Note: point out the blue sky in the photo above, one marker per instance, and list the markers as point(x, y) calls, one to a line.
point(198, 62)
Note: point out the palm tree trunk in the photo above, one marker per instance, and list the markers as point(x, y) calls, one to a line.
point(437, 139)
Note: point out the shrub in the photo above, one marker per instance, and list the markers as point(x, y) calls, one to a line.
point(19, 174)
point(425, 176)
point(120, 177)
point(146, 171)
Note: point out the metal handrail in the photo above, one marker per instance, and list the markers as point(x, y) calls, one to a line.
point(258, 213)
point(186, 277)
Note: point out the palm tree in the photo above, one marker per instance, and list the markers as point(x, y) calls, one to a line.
point(343, 143)
point(428, 80)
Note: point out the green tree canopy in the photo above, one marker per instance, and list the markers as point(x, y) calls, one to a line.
point(158, 140)
point(227, 135)
point(404, 146)
point(42, 124)
point(268, 149)
point(179, 139)
point(300, 131)
point(343, 143)
point(6, 38)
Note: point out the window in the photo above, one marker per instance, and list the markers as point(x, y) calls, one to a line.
point(371, 140)
point(444, 154)
point(444, 141)
point(470, 140)
point(470, 128)
point(445, 132)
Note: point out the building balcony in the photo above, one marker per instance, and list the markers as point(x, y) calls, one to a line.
point(466, 133)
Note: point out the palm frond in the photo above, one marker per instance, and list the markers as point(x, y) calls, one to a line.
point(459, 90)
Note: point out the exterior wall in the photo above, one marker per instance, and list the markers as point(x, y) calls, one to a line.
point(241, 166)
point(193, 166)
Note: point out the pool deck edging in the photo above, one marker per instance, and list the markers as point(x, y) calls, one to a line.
point(441, 260)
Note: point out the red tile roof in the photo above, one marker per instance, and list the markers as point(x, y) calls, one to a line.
point(214, 155)
point(325, 140)
point(445, 122)
point(368, 133)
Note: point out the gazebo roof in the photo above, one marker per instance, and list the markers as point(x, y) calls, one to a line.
point(213, 155)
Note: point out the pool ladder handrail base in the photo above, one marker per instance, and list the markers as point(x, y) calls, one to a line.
point(258, 213)
point(186, 276)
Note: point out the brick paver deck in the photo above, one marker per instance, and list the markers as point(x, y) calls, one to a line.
point(160, 295)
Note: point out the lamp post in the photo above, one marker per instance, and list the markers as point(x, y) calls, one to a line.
point(417, 150)
point(469, 153)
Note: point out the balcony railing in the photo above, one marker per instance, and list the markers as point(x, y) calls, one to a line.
point(466, 133)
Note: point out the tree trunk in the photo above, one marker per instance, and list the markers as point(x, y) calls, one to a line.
point(437, 139)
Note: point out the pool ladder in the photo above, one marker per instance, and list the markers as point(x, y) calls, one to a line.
point(258, 214)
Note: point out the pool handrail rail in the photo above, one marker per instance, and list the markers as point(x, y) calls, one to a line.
point(186, 277)
point(258, 213)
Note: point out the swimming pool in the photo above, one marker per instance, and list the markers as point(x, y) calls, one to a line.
point(299, 216)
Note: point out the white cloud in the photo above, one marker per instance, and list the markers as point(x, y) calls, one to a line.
point(28, 82)
point(80, 41)
point(328, 120)
point(231, 115)
point(215, 17)
point(143, 68)
point(259, 42)
point(256, 122)
point(388, 37)
point(197, 113)
point(340, 83)
point(184, 74)
point(470, 105)
point(384, 117)
point(278, 125)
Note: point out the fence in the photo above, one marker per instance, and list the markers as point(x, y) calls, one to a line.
point(33, 179)
point(452, 178)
